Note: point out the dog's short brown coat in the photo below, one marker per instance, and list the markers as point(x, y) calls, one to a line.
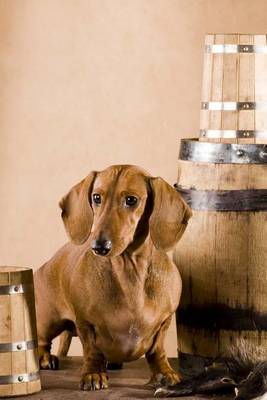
point(120, 304)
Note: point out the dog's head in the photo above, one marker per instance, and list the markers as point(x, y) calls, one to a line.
point(119, 207)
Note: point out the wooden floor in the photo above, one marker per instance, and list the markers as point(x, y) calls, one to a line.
point(128, 383)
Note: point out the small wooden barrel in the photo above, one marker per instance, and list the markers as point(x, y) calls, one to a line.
point(234, 90)
point(19, 366)
point(222, 255)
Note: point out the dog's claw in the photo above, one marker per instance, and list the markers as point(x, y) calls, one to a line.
point(49, 362)
point(53, 364)
point(168, 379)
point(94, 381)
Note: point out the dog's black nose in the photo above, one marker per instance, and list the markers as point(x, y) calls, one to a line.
point(101, 247)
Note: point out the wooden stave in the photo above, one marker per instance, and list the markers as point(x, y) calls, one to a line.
point(21, 367)
point(200, 340)
point(249, 71)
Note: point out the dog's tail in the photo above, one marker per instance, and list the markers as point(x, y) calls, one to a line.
point(64, 343)
point(242, 372)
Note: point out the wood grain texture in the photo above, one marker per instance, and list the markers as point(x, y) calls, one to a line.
point(18, 324)
point(222, 259)
point(234, 77)
point(246, 90)
point(206, 81)
point(260, 84)
point(230, 87)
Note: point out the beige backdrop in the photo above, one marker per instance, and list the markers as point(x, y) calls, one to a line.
point(89, 83)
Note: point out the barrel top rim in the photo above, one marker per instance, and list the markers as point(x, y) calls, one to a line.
point(10, 269)
point(235, 34)
point(224, 144)
point(196, 139)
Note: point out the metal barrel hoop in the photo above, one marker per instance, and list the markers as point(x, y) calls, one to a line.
point(233, 105)
point(19, 378)
point(18, 346)
point(222, 153)
point(235, 49)
point(225, 200)
point(232, 134)
point(15, 289)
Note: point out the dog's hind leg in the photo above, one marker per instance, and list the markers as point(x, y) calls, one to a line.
point(46, 333)
point(64, 343)
point(49, 326)
point(46, 359)
point(157, 359)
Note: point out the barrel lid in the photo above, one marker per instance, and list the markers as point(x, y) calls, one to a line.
point(13, 269)
point(11, 275)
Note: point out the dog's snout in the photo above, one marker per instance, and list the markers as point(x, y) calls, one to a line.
point(101, 247)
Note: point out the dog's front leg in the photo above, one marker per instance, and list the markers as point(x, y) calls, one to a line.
point(94, 375)
point(157, 359)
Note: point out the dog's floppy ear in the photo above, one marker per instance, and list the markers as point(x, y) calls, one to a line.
point(169, 216)
point(77, 213)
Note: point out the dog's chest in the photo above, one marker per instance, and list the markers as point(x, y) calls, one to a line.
point(127, 327)
point(127, 334)
point(130, 311)
point(126, 309)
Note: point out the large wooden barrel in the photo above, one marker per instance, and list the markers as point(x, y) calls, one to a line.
point(222, 255)
point(19, 366)
point(234, 90)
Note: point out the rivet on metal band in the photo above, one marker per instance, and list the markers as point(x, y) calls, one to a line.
point(20, 378)
point(233, 105)
point(18, 346)
point(232, 134)
point(14, 289)
point(235, 48)
point(222, 153)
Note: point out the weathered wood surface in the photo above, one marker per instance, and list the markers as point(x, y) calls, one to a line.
point(222, 259)
point(18, 324)
point(239, 78)
point(128, 383)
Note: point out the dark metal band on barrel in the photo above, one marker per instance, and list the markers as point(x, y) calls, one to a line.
point(219, 316)
point(225, 200)
point(222, 153)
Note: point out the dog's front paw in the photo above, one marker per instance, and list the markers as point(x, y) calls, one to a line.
point(48, 361)
point(170, 378)
point(94, 381)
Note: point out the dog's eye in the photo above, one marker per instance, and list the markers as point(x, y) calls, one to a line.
point(96, 198)
point(130, 201)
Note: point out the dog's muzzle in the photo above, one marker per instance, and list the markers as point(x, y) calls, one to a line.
point(101, 247)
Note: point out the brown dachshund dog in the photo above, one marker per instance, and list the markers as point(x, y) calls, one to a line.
point(113, 283)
